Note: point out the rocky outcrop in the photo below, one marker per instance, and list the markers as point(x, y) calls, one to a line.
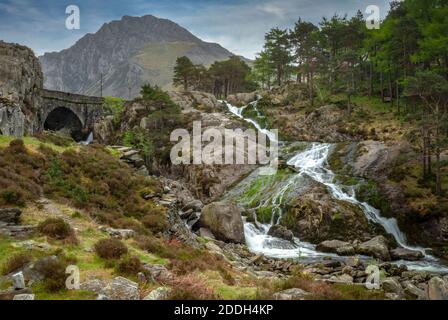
point(9, 223)
point(190, 101)
point(242, 99)
point(314, 215)
point(21, 81)
point(224, 221)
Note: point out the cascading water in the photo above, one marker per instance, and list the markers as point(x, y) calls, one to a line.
point(88, 141)
point(311, 163)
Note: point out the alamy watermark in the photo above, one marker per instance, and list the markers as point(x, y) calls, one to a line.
point(73, 21)
point(237, 147)
point(373, 18)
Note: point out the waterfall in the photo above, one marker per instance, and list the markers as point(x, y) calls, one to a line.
point(312, 163)
point(88, 141)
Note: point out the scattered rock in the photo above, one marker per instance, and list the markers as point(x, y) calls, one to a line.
point(392, 285)
point(224, 221)
point(437, 289)
point(412, 291)
point(281, 232)
point(9, 294)
point(24, 297)
point(195, 205)
point(161, 293)
point(376, 247)
point(406, 254)
point(94, 285)
point(206, 233)
point(119, 233)
point(18, 281)
point(158, 272)
point(291, 294)
point(122, 289)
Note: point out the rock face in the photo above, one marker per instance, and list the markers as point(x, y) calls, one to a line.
point(188, 101)
point(376, 247)
point(242, 99)
point(128, 53)
point(21, 80)
point(315, 216)
point(224, 221)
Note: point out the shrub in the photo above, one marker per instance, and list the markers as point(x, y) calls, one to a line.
point(191, 288)
point(156, 222)
point(129, 266)
point(15, 263)
point(56, 228)
point(12, 196)
point(110, 249)
point(53, 272)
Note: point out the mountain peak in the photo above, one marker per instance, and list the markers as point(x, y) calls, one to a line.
point(128, 53)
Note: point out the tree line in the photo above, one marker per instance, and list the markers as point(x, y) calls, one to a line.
point(221, 78)
point(405, 62)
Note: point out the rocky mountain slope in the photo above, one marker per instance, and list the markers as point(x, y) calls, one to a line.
point(129, 53)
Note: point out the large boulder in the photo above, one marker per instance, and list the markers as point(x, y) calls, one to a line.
point(376, 247)
point(406, 254)
point(122, 289)
point(281, 232)
point(336, 246)
point(224, 221)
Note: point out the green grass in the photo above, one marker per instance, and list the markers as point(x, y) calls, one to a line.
point(41, 294)
point(34, 143)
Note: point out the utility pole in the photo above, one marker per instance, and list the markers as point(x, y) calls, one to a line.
point(101, 84)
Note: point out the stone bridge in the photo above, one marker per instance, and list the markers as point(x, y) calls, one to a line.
point(71, 112)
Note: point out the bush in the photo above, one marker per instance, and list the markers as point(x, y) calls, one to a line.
point(15, 263)
point(56, 228)
point(129, 266)
point(12, 196)
point(156, 222)
point(53, 272)
point(110, 249)
point(191, 288)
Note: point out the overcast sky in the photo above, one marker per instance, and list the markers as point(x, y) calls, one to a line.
point(238, 25)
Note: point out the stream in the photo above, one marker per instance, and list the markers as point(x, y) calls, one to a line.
point(310, 165)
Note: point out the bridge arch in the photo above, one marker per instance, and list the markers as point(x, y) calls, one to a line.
point(64, 119)
point(73, 113)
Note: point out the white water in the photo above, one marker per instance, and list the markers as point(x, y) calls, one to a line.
point(88, 141)
point(312, 163)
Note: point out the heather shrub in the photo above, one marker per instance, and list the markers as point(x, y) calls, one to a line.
point(56, 228)
point(191, 288)
point(15, 263)
point(53, 272)
point(129, 266)
point(110, 249)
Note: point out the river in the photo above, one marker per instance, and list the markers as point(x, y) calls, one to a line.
point(311, 163)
